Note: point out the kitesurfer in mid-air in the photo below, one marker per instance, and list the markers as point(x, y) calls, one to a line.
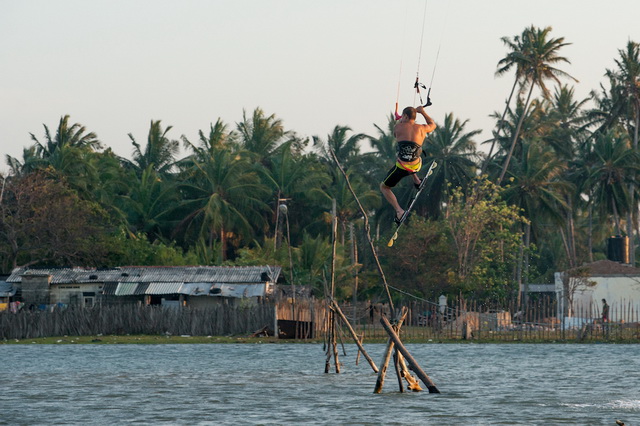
point(410, 136)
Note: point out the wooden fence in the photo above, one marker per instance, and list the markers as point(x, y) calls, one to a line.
point(425, 321)
point(304, 319)
point(220, 320)
point(539, 321)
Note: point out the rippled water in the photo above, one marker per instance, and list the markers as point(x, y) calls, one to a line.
point(286, 384)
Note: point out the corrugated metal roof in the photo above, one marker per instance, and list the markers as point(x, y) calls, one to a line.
point(126, 289)
point(195, 289)
point(141, 289)
point(240, 290)
point(149, 274)
point(109, 289)
point(163, 288)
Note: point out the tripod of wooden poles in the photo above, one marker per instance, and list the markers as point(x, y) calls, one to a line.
point(403, 361)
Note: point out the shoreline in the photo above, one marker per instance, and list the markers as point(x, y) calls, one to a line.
point(188, 339)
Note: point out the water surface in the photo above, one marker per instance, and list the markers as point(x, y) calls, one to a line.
point(285, 384)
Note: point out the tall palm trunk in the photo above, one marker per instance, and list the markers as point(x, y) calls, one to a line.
point(223, 245)
point(590, 236)
point(515, 137)
point(632, 216)
point(485, 164)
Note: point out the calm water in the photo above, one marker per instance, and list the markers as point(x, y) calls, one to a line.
point(286, 384)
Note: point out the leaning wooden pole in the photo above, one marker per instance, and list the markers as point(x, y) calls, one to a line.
point(412, 362)
point(367, 228)
point(354, 335)
point(387, 355)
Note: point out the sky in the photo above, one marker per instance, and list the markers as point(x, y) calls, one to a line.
point(115, 65)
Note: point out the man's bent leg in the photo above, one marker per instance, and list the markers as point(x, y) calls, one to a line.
point(391, 198)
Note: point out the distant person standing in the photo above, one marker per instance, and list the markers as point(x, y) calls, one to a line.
point(605, 311)
point(605, 317)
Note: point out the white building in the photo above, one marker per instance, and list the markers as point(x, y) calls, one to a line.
point(617, 283)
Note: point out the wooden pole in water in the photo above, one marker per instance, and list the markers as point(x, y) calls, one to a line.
point(387, 355)
point(354, 335)
point(412, 362)
point(359, 352)
point(333, 345)
point(396, 364)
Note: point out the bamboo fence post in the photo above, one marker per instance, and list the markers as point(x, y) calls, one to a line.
point(387, 356)
point(354, 335)
point(412, 362)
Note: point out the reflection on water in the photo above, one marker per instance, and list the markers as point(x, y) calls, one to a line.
point(285, 383)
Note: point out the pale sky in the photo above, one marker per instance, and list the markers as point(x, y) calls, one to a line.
point(115, 65)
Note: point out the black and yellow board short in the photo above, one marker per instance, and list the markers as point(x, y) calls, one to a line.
point(400, 170)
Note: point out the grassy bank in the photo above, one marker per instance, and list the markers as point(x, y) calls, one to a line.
point(139, 339)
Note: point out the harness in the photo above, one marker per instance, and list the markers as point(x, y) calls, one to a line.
point(408, 151)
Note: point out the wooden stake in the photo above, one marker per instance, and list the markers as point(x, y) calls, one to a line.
point(412, 382)
point(412, 362)
point(387, 355)
point(359, 351)
point(354, 335)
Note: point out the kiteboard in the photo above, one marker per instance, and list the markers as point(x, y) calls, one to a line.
point(405, 215)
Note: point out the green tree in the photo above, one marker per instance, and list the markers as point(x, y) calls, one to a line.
point(538, 189)
point(223, 198)
point(260, 134)
point(481, 227)
point(536, 58)
point(44, 222)
point(453, 148)
point(346, 147)
point(627, 77)
point(612, 170)
point(149, 204)
point(159, 153)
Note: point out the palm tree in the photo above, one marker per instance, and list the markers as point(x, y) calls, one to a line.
point(149, 203)
point(66, 136)
point(346, 207)
point(347, 152)
point(613, 169)
point(455, 152)
point(565, 127)
point(536, 61)
point(384, 150)
point(219, 136)
point(159, 153)
point(68, 152)
point(532, 125)
point(259, 134)
point(298, 179)
point(224, 198)
point(628, 87)
point(566, 121)
point(513, 59)
point(29, 163)
point(346, 148)
point(537, 186)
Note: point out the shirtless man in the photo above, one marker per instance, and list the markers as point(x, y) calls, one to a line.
point(410, 137)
